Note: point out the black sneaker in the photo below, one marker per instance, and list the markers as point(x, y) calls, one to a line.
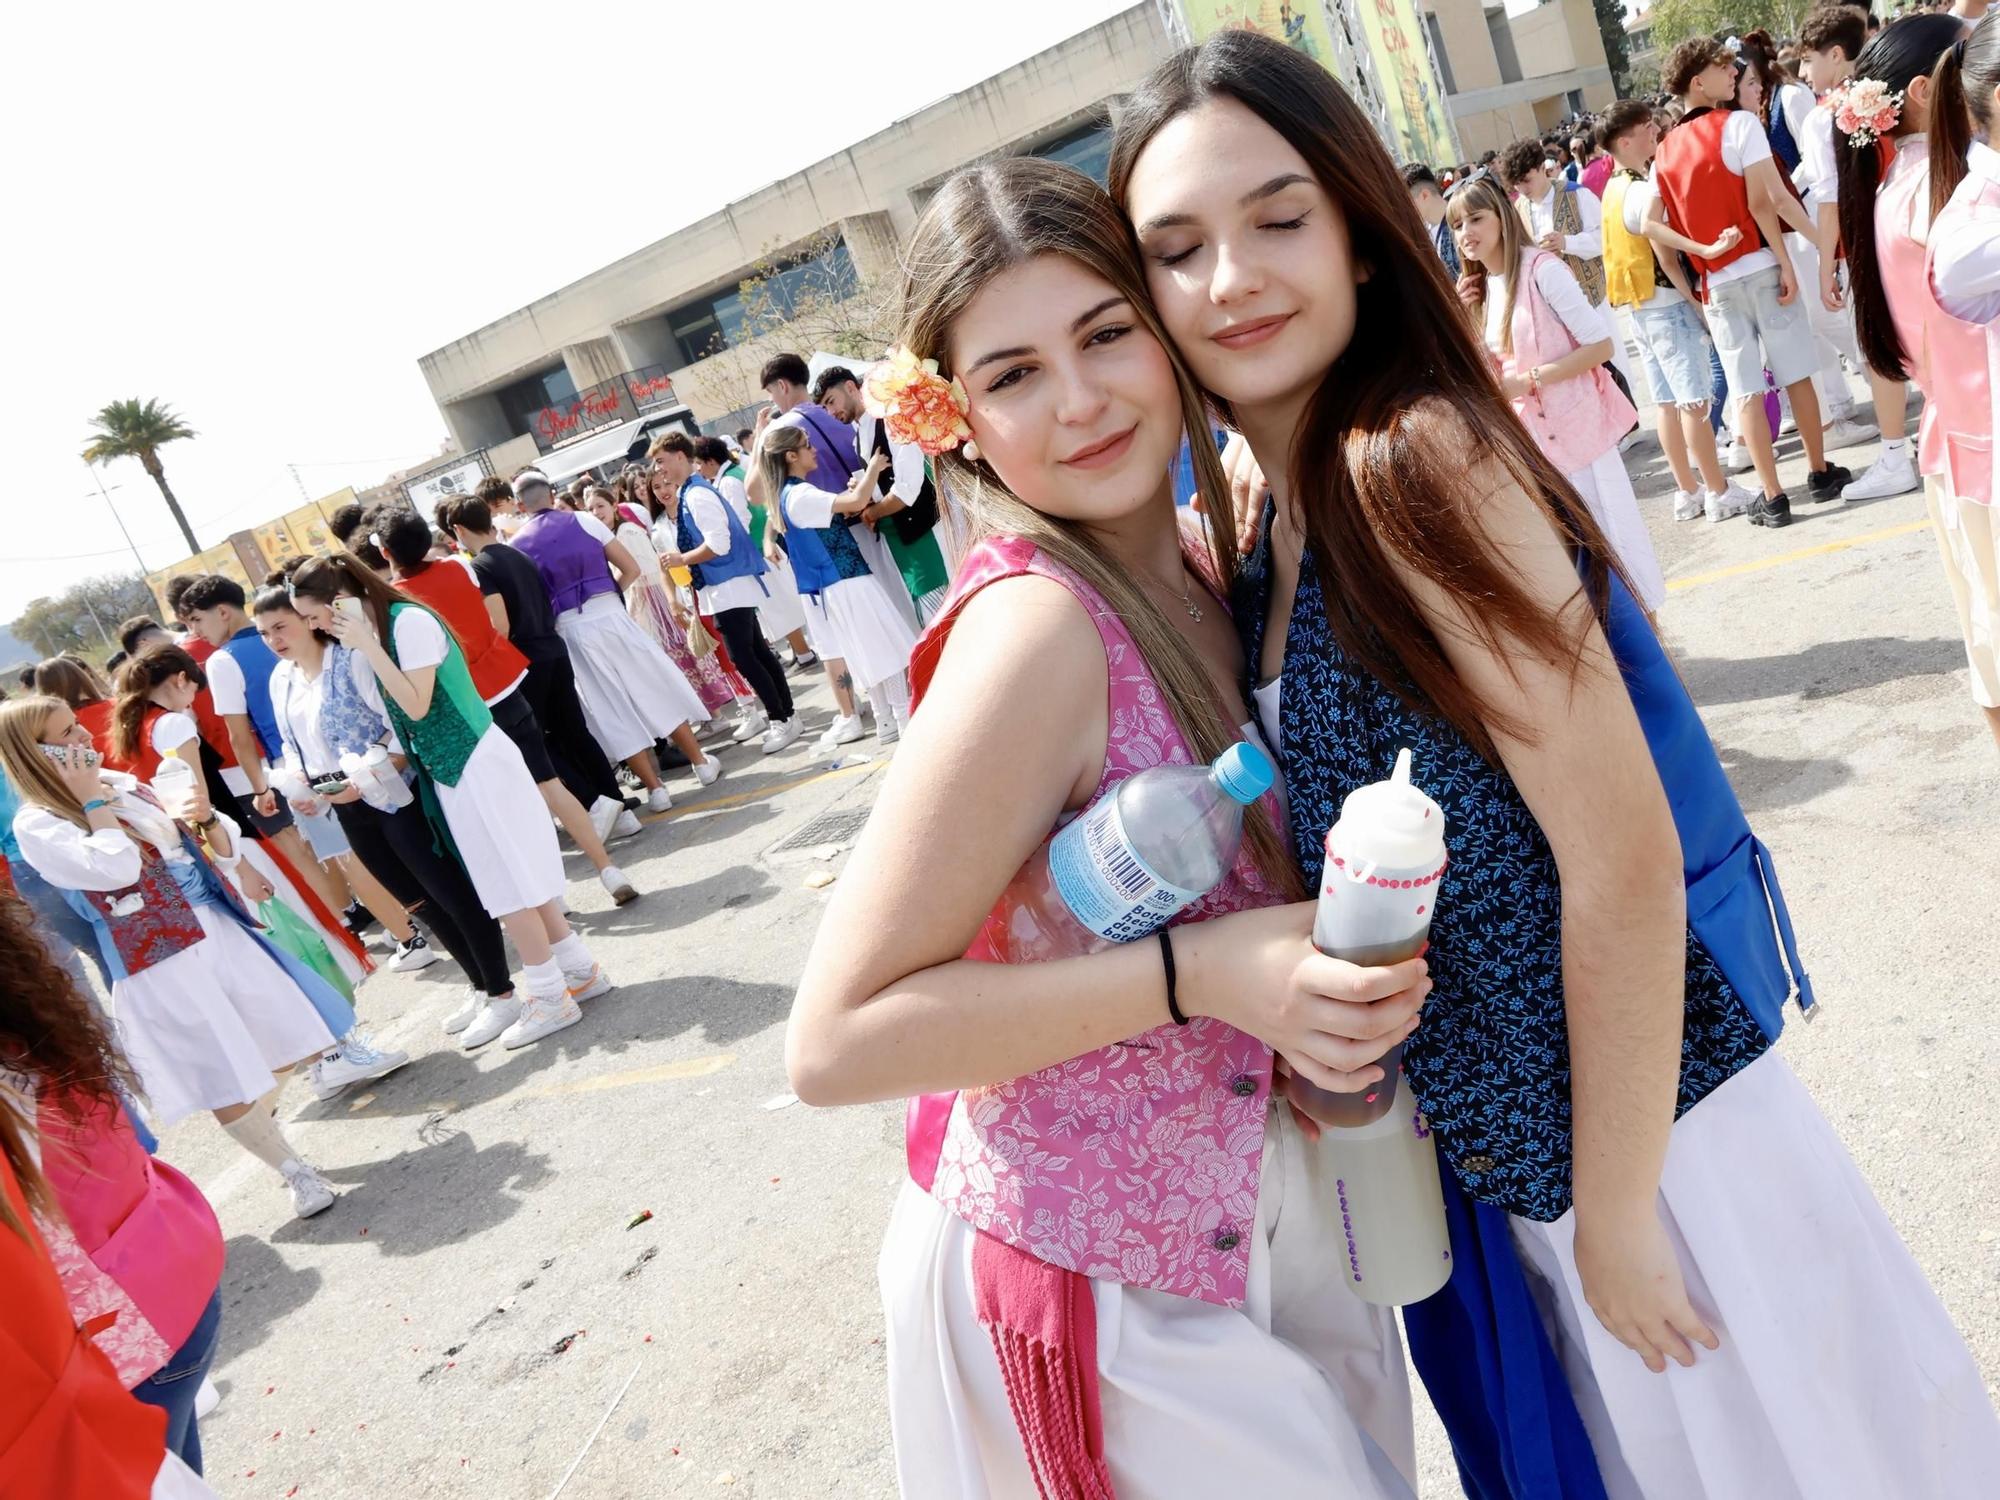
point(1776, 511)
point(1827, 483)
point(358, 919)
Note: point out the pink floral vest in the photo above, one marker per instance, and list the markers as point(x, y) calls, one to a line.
point(1948, 359)
point(1575, 422)
point(1138, 1163)
point(1968, 452)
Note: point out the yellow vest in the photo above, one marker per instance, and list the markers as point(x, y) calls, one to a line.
point(1630, 272)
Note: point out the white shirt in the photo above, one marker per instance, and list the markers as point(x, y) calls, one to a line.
point(906, 460)
point(809, 506)
point(1542, 218)
point(1744, 144)
point(706, 511)
point(1816, 177)
point(295, 703)
point(1559, 288)
point(738, 497)
point(595, 527)
point(640, 545)
point(1796, 102)
point(1641, 193)
point(231, 694)
point(1965, 256)
point(420, 642)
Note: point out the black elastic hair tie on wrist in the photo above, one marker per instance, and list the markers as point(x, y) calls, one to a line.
point(1173, 977)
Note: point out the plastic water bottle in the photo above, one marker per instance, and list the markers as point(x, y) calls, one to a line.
point(173, 782)
point(1133, 860)
point(1385, 859)
point(1381, 1181)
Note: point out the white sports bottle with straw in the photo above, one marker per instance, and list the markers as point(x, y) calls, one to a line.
point(1385, 862)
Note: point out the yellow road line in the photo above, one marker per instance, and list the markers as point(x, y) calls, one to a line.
point(739, 798)
point(1737, 570)
point(698, 1067)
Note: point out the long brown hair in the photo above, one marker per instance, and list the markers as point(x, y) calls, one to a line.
point(53, 1032)
point(151, 668)
point(328, 575)
point(1370, 480)
point(1902, 51)
point(986, 220)
point(1962, 87)
point(23, 722)
point(1483, 195)
point(72, 681)
point(780, 443)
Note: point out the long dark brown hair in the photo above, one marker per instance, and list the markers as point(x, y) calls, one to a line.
point(1962, 87)
point(1902, 51)
point(72, 681)
point(136, 680)
point(1370, 480)
point(326, 577)
point(52, 1032)
point(984, 221)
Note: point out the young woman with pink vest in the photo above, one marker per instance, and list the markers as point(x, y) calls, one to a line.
point(1550, 345)
point(130, 1236)
point(1110, 1271)
point(1895, 175)
point(1643, 1199)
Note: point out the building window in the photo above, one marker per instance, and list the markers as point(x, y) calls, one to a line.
point(1087, 148)
point(524, 400)
point(709, 325)
point(1502, 36)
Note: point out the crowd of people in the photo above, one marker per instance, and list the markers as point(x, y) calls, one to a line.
point(387, 735)
point(1667, 1276)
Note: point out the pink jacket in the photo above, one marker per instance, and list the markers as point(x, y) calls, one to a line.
point(1948, 359)
point(1138, 1163)
point(1575, 422)
point(141, 1223)
point(1968, 451)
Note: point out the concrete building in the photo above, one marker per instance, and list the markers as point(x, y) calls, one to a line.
point(1511, 76)
point(667, 326)
point(1642, 55)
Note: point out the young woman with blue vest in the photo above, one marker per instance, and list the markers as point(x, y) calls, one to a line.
point(211, 1014)
point(1549, 345)
point(850, 612)
point(321, 715)
point(1732, 1311)
point(475, 786)
point(1110, 1270)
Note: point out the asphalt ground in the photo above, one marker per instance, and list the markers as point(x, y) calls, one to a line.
point(476, 1317)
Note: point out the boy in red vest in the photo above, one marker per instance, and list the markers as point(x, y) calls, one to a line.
point(1715, 171)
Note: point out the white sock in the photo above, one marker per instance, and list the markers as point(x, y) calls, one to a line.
point(571, 956)
point(544, 981)
point(1894, 445)
point(257, 1133)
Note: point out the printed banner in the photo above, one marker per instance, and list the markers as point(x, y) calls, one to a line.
point(1301, 26)
point(1418, 118)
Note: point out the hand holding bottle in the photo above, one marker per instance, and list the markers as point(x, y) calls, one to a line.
point(1259, 971)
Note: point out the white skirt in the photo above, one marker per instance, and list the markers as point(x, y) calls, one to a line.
point(1840, 1376)
point(211, 1026)
point(1300, 1392)
point(632, 695)
point(501, 826)
point(857, 621)
point(1607, 489)
point(783, 611)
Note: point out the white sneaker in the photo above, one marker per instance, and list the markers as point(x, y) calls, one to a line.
point(658, 800)
point(1733, 501)
point(1687, 505)
point(782, 734)
point(749, 726)
point(626, 826)
point(336, 1070)
point(206, 1399)
point(1738, 458)
point(615, 882)
point(888, 729)
point(1891, 474)
point(416, 954)
point(588, 986)
point(311, 1193)
point(494, 1017)
point(844, 730)
point(1850, 432)
point(543, 1015)
point(466, 1014)
point(604, 817)
point(709, 771)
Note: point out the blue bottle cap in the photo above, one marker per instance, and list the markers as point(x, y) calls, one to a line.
point(1244, 772)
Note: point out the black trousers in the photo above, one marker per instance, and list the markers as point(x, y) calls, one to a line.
point(399, 851)
point(580, 761)
point(754, 658)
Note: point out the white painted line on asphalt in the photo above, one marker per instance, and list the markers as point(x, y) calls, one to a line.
point(697, 1067)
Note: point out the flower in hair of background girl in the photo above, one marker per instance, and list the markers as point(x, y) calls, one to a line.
point(1865, 110)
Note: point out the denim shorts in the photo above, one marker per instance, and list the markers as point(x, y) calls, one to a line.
point(1754, 333)
point(1674, 350)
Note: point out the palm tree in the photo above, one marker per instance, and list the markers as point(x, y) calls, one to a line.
point(139, 429)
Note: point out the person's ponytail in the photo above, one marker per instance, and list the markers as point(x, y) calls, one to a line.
point(1951, 125)
point(1860, 170)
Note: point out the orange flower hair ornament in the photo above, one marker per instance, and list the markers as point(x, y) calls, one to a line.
point(918, 405)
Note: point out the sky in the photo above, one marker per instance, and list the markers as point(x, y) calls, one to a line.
point(262, 214)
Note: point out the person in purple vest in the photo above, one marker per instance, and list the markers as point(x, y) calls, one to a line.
point(632, 695)
point(786, 381)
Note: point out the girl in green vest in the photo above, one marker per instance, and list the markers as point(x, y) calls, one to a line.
point(474, 784)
